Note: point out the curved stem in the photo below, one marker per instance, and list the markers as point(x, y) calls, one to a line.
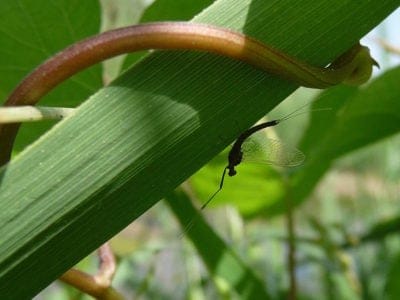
point(353, 67)
point(99, 285)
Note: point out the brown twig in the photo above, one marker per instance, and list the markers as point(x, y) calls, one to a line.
point(387, 46)
point(99, 285)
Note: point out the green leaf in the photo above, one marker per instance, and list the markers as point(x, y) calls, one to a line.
point(392, 288)
point(359, 117)
point(134, 141)
point(377, 232)
point(167, 10)
point(222, 262)
point(250, 191)
point(32, 31)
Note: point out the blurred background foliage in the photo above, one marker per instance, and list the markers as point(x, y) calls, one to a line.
point(344, 198)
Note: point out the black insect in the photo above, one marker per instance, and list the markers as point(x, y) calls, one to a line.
point(278, 153)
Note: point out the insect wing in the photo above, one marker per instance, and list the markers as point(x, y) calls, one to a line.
point(260, 149)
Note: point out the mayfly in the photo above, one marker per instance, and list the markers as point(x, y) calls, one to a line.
point(279, 155)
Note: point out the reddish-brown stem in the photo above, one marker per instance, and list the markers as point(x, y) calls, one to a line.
point(177, 35)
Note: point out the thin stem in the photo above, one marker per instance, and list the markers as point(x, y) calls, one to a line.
point(388, 46)
point(353, 67)
point(291, 256)
point(98, 286)
point(19, 114)
point(107, 265)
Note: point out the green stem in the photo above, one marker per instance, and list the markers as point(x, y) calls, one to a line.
point(19, 114)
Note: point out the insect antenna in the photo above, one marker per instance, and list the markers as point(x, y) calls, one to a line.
point(297, 112)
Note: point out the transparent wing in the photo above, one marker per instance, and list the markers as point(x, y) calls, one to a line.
point(260, 149)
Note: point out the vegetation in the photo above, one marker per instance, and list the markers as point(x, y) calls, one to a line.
point(324, 230)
